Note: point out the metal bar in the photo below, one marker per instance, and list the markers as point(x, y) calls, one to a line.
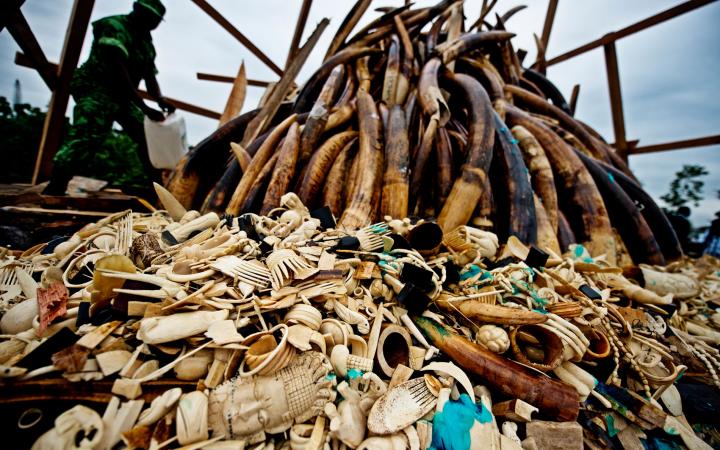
point(227, 79)
point(23, 35)
point(631, 29)
point(299, 29)
point(223, 22)
point(613, 77)
point(549, 19)
point(22, 59)
point(55, 117)
point(677, 145)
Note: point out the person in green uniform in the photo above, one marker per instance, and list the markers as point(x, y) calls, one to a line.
point(105, 91)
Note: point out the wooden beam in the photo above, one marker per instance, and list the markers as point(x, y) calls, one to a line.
point(299, 29)
point(677, 145)
point(281, 89)
point(630, 144)
point(7, 8)
point(22, 59)
point(179, 104)
point(23, 35)
point(228, 79)
point(223, 22)
point(52, 130)
point(616, 104)
point(631, 29)
point(549, 19)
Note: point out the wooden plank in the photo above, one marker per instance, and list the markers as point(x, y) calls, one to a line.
point(616, 105)
point(23, 35)
point(25, 227)
point(22, 59)
point(53, 212)
point(631, 29)
point(549, 19)
point(677, 145)
point(101, 201)
point(223, 22)
point(229, 79)
point(55, 118)
point(299, 29)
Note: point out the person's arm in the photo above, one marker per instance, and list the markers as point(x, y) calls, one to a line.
point(125, 85)
point(153, 89)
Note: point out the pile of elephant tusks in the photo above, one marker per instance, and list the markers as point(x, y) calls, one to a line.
point(415, 116)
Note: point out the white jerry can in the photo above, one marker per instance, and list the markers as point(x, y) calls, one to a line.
point(166, 141)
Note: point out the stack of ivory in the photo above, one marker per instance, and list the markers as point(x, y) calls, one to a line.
point(418, 115)
point(286, 332)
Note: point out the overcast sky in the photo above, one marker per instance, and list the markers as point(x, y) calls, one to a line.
point(669, 73)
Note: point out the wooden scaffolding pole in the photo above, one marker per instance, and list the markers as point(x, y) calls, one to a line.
point(632, 29)
point(677, 145)
point(23, 35)
point(549, 19)
point(223, 22)
point(52, 130)
point(7, 8)
point(299, 29)
point(229, 79)
point(616, 104)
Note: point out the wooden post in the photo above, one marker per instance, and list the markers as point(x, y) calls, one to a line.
point(299, 28)
point(223, 22)
point(613, 76)
point(52, 130)
point(549, 19)
point(23, 35)
point(7, 8)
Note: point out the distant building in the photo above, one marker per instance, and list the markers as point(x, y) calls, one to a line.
point(17, 96)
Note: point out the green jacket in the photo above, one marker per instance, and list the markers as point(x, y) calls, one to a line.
point(111, 34)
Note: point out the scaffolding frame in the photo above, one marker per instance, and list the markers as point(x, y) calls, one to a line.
point(58, 76)
point(624, 147)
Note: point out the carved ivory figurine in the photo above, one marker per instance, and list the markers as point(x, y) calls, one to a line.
point(243, 407)
point(348, 421)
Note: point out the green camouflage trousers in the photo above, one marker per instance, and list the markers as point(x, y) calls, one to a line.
point(93, 149)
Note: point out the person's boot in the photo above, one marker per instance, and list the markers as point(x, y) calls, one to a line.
point(58, 183)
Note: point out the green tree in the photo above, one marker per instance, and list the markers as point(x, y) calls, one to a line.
point(687, 187)
point(20, 131)
point(21, 128)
